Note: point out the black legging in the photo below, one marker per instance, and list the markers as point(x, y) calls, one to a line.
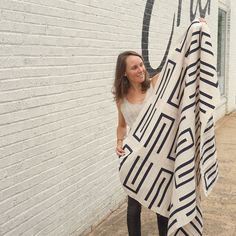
point(134, 222)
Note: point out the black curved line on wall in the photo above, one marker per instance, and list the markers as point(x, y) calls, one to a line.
point(201, 9)
point(145, 37)
point(146, 24)
point(193, 13)
point(179, 12)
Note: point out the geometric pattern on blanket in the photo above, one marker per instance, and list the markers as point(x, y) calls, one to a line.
point(170, 152)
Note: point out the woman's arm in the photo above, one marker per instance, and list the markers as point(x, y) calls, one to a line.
point(154, 79)
point(120, 131)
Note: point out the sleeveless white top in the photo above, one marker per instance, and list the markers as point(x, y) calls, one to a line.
point(130, 110)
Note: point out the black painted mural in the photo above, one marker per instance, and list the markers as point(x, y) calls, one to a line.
point(197, 8)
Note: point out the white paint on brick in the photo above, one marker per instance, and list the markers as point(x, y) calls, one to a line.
point(231, 58)
point(58, 170)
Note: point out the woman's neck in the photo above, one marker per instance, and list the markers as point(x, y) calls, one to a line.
point(136, 87)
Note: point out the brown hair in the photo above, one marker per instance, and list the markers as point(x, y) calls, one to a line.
point(121, 83)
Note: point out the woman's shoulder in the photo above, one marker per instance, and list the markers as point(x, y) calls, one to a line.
point(119, 103)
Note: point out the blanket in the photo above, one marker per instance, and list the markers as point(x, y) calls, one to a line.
point(170, 151)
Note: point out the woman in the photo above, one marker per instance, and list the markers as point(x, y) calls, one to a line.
point(132, 87)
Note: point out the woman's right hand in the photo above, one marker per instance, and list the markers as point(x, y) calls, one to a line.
point(119, 149)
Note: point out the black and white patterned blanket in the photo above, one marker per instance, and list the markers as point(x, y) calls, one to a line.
point(170, 152)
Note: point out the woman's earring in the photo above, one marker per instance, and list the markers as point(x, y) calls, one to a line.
point(125, 79)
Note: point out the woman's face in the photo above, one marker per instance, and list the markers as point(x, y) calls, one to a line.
point(135, 69)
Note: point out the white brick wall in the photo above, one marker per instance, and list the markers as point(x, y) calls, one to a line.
point(58, 170)
point(231, 85)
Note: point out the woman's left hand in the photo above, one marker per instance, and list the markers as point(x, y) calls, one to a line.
point(202, 20)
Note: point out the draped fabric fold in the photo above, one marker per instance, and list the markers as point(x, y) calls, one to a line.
point(170, 151)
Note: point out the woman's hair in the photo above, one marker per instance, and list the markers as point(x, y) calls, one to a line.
point(121, 83)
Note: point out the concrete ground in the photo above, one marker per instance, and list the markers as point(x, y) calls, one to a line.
point(219, 209)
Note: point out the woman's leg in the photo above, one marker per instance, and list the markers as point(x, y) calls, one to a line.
point(133, 217)
point(162, 225)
